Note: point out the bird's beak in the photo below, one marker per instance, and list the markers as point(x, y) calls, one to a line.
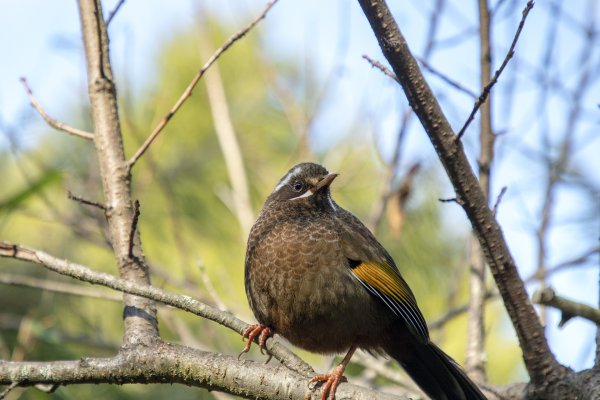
point(325, 182)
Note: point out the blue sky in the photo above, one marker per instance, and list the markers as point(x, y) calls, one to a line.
point(41, 41)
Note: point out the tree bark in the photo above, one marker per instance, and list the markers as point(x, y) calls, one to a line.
point(140, 313)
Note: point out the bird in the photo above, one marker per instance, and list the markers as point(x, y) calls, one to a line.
point(317, 276)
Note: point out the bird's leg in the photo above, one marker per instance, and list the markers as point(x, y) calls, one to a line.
point(333, 379)
point(251, 332)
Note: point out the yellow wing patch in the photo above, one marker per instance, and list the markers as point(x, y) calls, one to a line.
point(384, 281)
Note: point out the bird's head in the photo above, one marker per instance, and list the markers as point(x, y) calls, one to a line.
point(305, 184)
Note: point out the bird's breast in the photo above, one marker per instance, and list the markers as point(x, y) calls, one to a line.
point(299, 283)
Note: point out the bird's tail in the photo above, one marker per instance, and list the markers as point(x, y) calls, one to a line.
point(438, 375)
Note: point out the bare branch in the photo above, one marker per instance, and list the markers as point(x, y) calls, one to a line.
point(456, 85)
point(381, 67)
point(164, 362)
point(116, 182)
point(230, 147)
point(380, 206)
point(539, 361)
point(382, 369)
point(87, 202)
point(114, 12)
point(455, 312)
point(51, 121)
point(188, 91)
point(58, 287)
point(9, 389)
point(181, 302)
point(499, 199)
point(537, 275)
point(212, 292)
point(569, 308)
point(475, 354)
point(486, 90)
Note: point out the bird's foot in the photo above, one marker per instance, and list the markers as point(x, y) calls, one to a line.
point(251, 332)
point(332, 380)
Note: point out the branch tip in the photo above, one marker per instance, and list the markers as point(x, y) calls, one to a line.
point(188, 91)
point(49, 120)
point(487, 89)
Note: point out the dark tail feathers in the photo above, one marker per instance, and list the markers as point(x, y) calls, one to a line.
point(438, 375)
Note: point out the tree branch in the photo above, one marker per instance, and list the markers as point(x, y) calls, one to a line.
point(51, 121)
point(487, 89)
point(456, 85)
point(140, 314)
point(569, 308)
point(475, 356)
point(56, 286)
point(381, 67)
point(188, 91)
point(164, 362)
point(185, 303)
point(541, 365)
point(230, 147)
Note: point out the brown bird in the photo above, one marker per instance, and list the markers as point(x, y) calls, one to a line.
point(317, 276)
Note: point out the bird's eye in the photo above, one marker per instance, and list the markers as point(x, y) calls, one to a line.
point(298, 186)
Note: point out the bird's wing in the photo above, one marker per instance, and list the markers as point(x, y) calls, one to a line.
point(375, 269)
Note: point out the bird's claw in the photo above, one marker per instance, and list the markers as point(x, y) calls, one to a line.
point(251, 332)
point(332, 380)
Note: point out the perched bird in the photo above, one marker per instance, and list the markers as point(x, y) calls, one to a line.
point(317, 276)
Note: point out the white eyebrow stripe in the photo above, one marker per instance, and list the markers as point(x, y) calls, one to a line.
point(287, 178)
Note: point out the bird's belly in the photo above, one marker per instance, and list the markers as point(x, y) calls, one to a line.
point(324, 310)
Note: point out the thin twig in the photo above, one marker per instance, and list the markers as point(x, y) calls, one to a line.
point(455, 312)
point(230, 147)
point(114, 12)
point(58, 287)
point(209, 286)
point(543, 274)
point(9, 389)
point(87, 202)
point(445, 78)
point(380, 66)
point(486, 90)
point(499, 199)
point(382, 369)
point(188, 91)
point(51, 121)
point(450, 200)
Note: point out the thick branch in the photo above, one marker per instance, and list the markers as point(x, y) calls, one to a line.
point(539, 361)
point(569, 308)
point(163, 362)
point(140, 313)
point(181, 302)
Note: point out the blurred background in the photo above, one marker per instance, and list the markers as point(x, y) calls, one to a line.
point(295, 88)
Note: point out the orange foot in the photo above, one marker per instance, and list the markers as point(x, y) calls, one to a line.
point(251, 332)
point(332, 380)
